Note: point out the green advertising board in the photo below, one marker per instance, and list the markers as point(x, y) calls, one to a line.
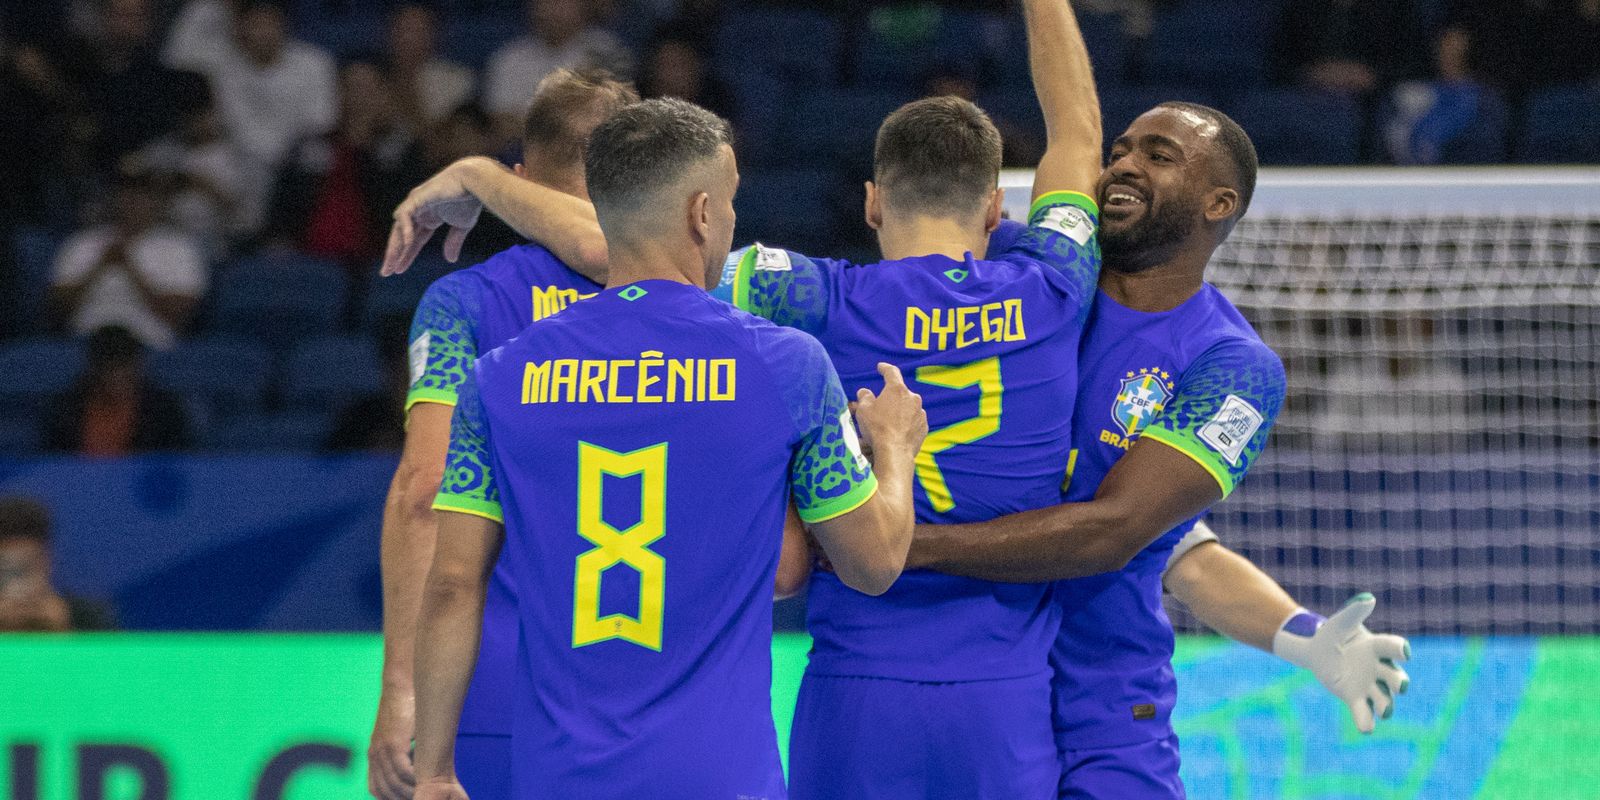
point(263, 717)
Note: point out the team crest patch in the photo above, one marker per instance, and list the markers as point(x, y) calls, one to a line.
point(772, 260)
point(1144, 394)
point(1230, 430)
point(1069, 221)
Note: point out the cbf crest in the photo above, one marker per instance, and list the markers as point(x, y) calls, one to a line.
point(1143, 395)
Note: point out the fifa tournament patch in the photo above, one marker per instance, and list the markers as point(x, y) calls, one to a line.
point(1069, 221)
point(419, 356)
point(852, 442)
point(772, 260)
point(1230, 430)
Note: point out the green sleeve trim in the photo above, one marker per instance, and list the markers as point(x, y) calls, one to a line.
point(428, 394)
point(1187, 447)
point(741, 279)
point(1058, 198)
point(843, 504)
point(462, 504)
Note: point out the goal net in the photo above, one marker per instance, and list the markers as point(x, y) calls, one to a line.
point(1440, 445)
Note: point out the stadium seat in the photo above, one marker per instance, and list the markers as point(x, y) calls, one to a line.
point(329, 371)
point(835, 127)
point(1486, 142)
point(799, 46)
point(398, 295)
point(226, 375)
point(1296, 127)
point(470, 38)
point(278, 299)
point(886, 55)
point(1563, 127)
point(287, 431)
point(34, 370)
point(20, 434)
point(35, 250)
point(1109, 50)
point(791, 208)
point(1218, 44)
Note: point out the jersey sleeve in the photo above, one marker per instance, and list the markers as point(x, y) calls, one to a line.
point(443, 342)
point(1063, 233)
point(1222, 409)
point(469, 485)
point(784, 287)
point(828, 474)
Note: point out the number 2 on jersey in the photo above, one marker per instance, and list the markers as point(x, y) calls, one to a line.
point(985, 373)
point(630, 546)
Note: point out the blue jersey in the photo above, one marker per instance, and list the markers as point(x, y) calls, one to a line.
point(1196, 378)
point(464, 314)
point(605, 438)
point(991, 345)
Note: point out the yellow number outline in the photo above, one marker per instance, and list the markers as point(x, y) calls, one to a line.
point(985, 373)
point(612, 547)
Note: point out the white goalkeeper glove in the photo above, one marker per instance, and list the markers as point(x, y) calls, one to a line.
point(1356, 665)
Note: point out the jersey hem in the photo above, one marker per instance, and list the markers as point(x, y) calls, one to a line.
point(1060, 197)
point(844, 504)
point(1188, 448)
point(439, 396)
point(466, 505)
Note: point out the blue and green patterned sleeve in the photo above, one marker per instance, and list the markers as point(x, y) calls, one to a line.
point(828, 475)
point(1063, 233)
point(443, 342)
point(1223, 408)
point(469, 485)
point(784, 287)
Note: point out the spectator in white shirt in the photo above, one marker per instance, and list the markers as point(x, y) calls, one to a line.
point(426, 86)
point(134, 272)
point(199, 170)
point(272, 93)
point(562, 37)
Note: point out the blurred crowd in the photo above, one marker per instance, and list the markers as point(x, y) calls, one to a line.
point(156, 147)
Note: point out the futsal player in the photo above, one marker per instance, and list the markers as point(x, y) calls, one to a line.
point(1177, 397)
point(462, 315)
point(636, 453)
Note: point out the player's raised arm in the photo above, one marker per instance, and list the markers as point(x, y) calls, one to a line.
point(867, 544)
point(1234, 597)
point(1064, 82)
point(457, 194)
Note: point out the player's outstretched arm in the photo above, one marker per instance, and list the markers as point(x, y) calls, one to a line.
point(867, 546)
point(405, 552)
point(1148, 492)
point(1064, 81)
point(457, 194)
point(1232, 596)
point(448, 628)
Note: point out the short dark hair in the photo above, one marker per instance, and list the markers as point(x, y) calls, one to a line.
point(24, 518)
point(566, 107)
point(938, 156)
point(1238, 151)
point(645, 148)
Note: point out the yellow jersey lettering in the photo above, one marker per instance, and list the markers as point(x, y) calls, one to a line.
point(649, 360)
point(723, 379)
point(612, 384)
point(535, 382)
point(564, 373)
point(625, 380)
point(548, 300)
point(964, 326)
point(594, 374)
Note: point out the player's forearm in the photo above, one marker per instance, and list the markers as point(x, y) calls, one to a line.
point(1230, 595)
point(405, 551)
point(448, 628)
point(565, 224)
point(895, 470)
point(1064, 541)
point(1064, 82)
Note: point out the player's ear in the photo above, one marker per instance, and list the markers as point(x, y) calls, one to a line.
point(520, 171)
point(700, 217)
point(997, 206)
point(874, 207)
point(1221, 204)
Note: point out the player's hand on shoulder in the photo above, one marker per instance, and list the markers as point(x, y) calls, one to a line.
point(389, 772)
point(1358, 666)
point(440, 789)
point(893, 419)
point(442, 200)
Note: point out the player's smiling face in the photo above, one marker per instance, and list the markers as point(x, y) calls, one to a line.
point(1152, 191)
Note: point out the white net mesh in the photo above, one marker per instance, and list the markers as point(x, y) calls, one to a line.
point(1440, 446)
